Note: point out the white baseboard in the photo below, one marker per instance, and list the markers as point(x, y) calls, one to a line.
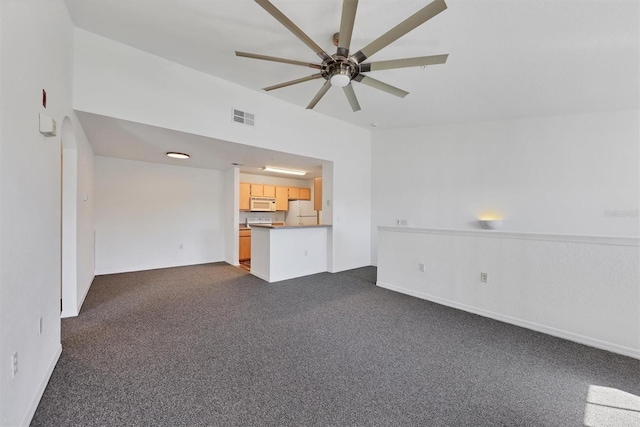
point(74, 313)
point(84, 296)
point(349, 267)
point(43, 385)
point(592, 342)
point(152, 267)
point(260, 276)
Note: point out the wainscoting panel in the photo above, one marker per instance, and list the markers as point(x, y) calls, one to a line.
point(582, 288)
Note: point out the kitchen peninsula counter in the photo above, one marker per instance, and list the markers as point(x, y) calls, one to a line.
point(281, 252)
point(290, 226)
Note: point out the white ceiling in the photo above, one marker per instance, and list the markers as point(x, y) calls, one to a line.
point(508, 58)
point(123, 139)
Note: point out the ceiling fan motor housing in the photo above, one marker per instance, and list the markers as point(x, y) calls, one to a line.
point(339, 65)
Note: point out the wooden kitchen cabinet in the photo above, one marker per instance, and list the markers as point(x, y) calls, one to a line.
point(317, 194)
point(305, 194)
point(269, 190)
point(281, 194)
point(282, 198)
point(245, 196)
point(257, 190)
point(245, 245)
point(299, 193)
point(294, 193)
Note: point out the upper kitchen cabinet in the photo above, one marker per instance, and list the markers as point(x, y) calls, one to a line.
point(299, 193)
point(269, 191)
point(305, 194)
point(282, 198)
point(245, 196)
point(294, 193)
point(282, 194)
point(257, 190)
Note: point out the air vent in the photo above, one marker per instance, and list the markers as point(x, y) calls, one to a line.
point(243, 117)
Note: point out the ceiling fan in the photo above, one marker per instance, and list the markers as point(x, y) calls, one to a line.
point(342, 68)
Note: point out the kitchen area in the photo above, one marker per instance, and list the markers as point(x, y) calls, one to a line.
point(268, 206)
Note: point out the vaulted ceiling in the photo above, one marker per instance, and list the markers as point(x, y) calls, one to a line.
point(507, 58)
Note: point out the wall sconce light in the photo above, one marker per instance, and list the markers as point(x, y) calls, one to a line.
point(490, 220)
point(490, 224)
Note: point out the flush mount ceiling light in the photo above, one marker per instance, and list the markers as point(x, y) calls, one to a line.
point(176, 155)
point(281, 170)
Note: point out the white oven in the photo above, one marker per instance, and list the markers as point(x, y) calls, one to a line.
point(263, 204)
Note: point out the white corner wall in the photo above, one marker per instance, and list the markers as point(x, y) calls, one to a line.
point(85, 226)
point(77, 217)
point(232, 215)
point(144, 212)
point(577, 174)
point(36, 53)
point(147, 89)
point(562, 185)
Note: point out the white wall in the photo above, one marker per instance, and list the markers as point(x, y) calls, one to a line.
point(576, 176)
point(547, 175)
point(231, 215)
point(78, 264)
point(119, 81)
point(284, 253)
point(36, 50)
point(586, 289)
point(145, 211)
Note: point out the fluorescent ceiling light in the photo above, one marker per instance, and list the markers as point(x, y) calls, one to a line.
point(175, 155)
point(280, 170)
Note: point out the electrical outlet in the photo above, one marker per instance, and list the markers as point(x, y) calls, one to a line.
point(40, 326)
point(181, 246)
point(421, 267)
point(484, 277)
point(404, 222)
point(14, 365)
point(306, 253)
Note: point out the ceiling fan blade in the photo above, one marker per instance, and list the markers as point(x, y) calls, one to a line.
point(403, 63)
point(325, 87)
point(351, 96)
point(346, 26)
point(275, 12)
point(415, 20)
point(293, 82)
point(380, 85)
point(275, 59)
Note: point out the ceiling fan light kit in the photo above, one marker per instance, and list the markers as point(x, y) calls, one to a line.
point(339, 80)
point(342, 68)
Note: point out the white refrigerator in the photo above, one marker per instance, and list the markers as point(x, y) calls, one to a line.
point(301, 213)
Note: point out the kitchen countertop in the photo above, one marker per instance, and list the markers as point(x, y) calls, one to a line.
point(280, 227)
point(245, 227)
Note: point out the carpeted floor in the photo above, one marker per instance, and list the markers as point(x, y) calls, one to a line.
point(213, 345)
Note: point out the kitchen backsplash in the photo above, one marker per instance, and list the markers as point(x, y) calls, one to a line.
point(273, 216)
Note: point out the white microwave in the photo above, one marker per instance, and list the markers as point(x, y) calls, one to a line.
point(263, 204)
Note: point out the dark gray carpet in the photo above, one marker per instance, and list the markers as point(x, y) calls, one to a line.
point(213, 345)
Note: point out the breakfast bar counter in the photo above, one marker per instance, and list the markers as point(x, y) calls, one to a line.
point(281, 252)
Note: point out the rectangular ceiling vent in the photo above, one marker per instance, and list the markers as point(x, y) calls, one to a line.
point(243, 117)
